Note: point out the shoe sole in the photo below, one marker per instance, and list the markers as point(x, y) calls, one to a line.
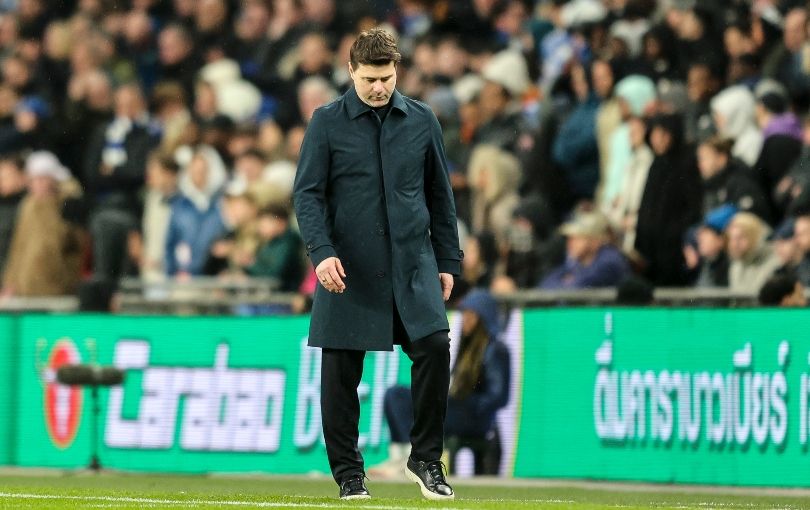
point(425, 492)
point(359, 496)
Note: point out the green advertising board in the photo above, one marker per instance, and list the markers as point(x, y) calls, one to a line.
point(685, 396)
point(8, 373)
point(201, 394)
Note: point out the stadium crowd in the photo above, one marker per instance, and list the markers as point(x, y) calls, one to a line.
point(589, 140)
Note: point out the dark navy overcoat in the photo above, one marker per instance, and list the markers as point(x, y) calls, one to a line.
point(377, 196)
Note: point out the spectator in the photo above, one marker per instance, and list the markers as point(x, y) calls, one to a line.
point(196, 218)
point(479, 387)
point(733, 114)
point(575, 149)
point(609, 114)
point(726, 181)
point(782, 133)
point(235, 250)
point(752, 258)
point(507, 80)
point(713, 262)
point(280, 255)
point(45, 254)
point(162, 194)
point(494, 176)
point(702, 85)
point(784, 291)
point(12, 192)
point(623, 213)
point(591, 261)
point(479, 264)
point(177, 59)
point(791, 190)
point(670, 204)
point(635, 94)
point(113, 174)
point(786, 248)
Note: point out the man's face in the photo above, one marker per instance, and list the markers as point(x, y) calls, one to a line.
point(374, 84)
point(602, 76)
point(710, 243)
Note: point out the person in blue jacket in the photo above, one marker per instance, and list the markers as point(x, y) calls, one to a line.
point(479, 387)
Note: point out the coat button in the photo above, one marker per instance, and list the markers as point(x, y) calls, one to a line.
point(380, 231)
point(380, 274)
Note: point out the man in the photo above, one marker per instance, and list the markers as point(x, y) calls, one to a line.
point(375, 208)
point(591, 260)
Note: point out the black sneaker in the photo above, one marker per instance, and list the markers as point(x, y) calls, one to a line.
point(430, 478)
point(354, 487)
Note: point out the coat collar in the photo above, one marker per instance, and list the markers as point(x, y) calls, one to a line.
point(355, 107)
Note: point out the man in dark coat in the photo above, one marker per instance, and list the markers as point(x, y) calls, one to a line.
point(375, 209)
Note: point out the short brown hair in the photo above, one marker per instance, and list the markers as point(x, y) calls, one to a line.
point(719, 144)
point(374, 47)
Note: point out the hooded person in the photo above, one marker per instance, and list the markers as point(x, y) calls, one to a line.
point(733, 113)
point(196, 219)
point(45, 254)
point(479, 387)
point(635, 93)
point(670, 203)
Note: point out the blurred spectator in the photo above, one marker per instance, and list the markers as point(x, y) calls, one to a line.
point(280, 255)
point(507, 80)
point(87, 108)
point(177, 58)
point(533, 245)
point(727, 181)
point(12, 192)
point(791, 191)
point(782, 133)
point(45, 254)
point(786, 248)
point(635, 95)
point(314, 92)
point(171, 110)
point(235, 249)
point(113, 174)
point(623, 212)
point(196, 218)
point(733, 114)
point(575, 149)
point(479, 264)
point(609, 114)
point(162, 193)
point(494, 176)
point(702, 85)
point(479, 387)
point(783, 291)
point(752, 258)
point(712, 264)
point(670, 204)
point(591, 261)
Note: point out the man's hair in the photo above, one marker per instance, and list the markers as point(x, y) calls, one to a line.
point(374, 47)
point(776, 289)
point(276, 211)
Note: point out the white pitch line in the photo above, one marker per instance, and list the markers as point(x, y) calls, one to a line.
point(157, 501)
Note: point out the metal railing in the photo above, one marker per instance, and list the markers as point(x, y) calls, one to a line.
point(215, 296)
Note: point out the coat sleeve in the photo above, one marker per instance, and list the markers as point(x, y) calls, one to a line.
point(442, 206)
point(309, 191)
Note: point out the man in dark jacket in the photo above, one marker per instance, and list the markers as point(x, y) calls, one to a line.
point(12, 191)
point(376, 212)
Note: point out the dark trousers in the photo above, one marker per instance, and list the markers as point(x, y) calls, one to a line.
point(341, 371)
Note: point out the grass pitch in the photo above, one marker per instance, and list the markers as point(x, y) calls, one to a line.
point(54, 491)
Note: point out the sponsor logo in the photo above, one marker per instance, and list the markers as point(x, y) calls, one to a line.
point(63, 404)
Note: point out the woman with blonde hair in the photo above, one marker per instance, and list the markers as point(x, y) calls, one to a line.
point(753, 259)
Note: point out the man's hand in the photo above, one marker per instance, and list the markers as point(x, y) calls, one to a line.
point(330, 273)
point(447, 284)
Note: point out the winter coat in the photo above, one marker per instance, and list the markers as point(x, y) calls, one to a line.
point(751, 273)
point(9, 206)
point(281, 258)
point(734, 185)
point(576, 151)
point(607, 270)
point(377, 196)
